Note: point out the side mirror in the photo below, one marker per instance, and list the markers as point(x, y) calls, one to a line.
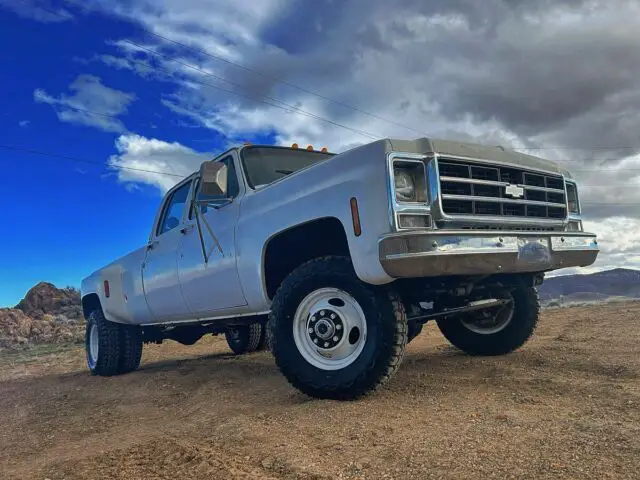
point(213, 178)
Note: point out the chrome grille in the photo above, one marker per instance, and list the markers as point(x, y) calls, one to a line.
point(477, 189)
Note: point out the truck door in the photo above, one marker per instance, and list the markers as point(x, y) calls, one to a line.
point(160, 269)
point(207, 267)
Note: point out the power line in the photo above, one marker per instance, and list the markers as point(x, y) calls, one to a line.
point(265, 75)
point(279, 104)
point(83, 160)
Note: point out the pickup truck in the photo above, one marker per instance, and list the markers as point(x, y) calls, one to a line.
point(334, 262)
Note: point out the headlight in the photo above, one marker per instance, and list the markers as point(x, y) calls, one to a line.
point(572, 198)
point(409, 181)
point(405, 185)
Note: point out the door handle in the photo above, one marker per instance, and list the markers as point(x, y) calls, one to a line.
point(186, 229)
point(152, 245)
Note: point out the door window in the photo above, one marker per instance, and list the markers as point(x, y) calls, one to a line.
point(173, 209)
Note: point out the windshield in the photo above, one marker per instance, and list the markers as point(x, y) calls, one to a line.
point(263, 165)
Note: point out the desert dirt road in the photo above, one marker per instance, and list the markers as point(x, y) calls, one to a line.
point(567, 405)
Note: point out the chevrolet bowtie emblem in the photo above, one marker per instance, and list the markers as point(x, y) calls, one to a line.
point(514, 191)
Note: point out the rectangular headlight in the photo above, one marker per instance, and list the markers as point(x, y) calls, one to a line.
point(410, 182)
point(572, 198)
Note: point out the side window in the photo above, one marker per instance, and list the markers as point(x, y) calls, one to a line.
point(233, 187)
point(173, 209)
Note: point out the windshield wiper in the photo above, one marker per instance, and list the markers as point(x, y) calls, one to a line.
point(286, 172)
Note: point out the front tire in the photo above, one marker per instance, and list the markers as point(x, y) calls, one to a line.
point(505, 331)
point(333, 336)
point(111, 348)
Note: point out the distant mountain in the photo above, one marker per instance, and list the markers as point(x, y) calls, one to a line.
point(619, 282)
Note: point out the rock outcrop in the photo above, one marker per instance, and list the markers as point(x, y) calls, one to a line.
point(46, 315)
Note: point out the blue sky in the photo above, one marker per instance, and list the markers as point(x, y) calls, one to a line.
point(134, 85)
point(63, 219)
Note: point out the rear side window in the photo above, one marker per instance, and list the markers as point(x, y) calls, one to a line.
point(173, 209)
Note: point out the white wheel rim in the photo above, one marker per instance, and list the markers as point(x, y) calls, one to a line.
point(329, 329)
point(499, 322)
point(94, 344)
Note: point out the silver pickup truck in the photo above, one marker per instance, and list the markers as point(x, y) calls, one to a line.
point(335, 262)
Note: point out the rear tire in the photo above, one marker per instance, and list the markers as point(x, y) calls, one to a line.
point(244, 338)
point(111, 348)
point(499, 335)
point(333, 336)
point(131, 352)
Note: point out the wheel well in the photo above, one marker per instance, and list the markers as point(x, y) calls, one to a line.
point(291, 248)
point(90, 303)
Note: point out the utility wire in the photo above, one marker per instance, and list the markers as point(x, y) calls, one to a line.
point(83, 160)
point(272, 101)
point(278, 104)
point(265, 75)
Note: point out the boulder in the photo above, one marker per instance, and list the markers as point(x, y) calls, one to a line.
point(45, 298)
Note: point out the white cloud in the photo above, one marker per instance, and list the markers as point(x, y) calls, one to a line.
point(619, 242)
point(24, 123)
point(38, 10)
point(91, 103)
point(139, 157)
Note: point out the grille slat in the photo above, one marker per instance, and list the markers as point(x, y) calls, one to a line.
point(474, 188)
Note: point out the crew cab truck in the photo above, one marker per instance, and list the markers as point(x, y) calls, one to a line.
point(336, 261)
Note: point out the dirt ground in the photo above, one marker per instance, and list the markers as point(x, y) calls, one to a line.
point(564, 406)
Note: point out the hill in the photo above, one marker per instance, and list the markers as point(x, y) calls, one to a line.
point(619, 282)
point(46, 314)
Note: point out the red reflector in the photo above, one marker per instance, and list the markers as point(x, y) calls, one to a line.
point(106, 288)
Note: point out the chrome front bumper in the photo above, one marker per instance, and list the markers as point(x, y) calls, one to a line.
point(449, 252)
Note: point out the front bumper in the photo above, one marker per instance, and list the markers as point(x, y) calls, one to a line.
point(449, 252)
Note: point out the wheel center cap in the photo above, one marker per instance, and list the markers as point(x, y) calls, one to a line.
point(324, 328)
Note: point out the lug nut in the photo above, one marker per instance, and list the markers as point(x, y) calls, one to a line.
point(326, 344)
point(335, 339)
point(322, 313)
point(315, 340)
point(310, 330)
point(338, 327)
point(332, 316)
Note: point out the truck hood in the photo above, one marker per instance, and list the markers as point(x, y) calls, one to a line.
point(463, 149)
